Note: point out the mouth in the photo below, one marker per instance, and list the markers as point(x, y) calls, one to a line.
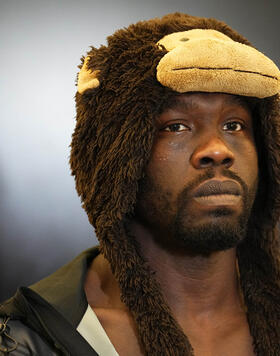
point(216, 192)
point(220, 199)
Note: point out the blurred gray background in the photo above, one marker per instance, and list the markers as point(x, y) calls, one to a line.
point(42, 224)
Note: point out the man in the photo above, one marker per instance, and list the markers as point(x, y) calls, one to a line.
point(176, 159)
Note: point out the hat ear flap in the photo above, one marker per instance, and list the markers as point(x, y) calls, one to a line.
point(259, 278)
point(87, 79)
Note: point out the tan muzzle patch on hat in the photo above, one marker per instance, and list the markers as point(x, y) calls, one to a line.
point(209, 61)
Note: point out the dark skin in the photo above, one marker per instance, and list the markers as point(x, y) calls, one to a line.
point(204, 131)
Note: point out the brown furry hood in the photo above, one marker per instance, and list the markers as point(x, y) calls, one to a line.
point(110, 149)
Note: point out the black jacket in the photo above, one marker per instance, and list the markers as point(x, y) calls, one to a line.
point(42, 319)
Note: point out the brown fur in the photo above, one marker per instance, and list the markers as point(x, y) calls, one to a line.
point(110, 149)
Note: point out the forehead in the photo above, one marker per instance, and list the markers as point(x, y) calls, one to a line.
point(192, 101)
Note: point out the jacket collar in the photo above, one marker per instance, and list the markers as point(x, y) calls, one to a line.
point(64, 289)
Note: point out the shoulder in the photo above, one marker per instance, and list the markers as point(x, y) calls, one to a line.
point(18, 339)
point(42, 319)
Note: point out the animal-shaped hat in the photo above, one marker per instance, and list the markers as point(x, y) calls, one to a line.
point(122, 87)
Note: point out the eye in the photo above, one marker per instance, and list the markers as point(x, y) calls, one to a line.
point(233, 126)
point(175, 128)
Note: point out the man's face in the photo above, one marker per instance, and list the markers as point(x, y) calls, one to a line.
point(202, 176)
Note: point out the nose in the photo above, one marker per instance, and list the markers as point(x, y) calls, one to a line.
point(213, 153)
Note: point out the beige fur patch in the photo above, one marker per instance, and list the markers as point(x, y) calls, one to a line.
point(207, 60)
point(87, 79)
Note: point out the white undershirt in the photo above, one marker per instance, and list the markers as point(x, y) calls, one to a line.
point(93, 332)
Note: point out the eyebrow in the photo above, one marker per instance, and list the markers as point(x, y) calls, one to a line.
point(239, 100)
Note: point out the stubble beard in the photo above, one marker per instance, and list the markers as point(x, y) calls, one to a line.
point(181, 233)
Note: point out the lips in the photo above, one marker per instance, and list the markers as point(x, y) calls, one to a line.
point(217, 187)
point(218, 193)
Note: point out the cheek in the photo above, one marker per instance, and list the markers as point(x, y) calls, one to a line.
point(168, 164)
point(247, 162)
point(254, 161)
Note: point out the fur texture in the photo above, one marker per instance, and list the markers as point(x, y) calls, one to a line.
point(208, 61)
point(109, 151)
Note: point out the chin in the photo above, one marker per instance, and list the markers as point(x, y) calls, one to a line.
point(219, 234)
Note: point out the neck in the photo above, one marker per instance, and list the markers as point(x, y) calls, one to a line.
point(201, 285)
point(204, 288)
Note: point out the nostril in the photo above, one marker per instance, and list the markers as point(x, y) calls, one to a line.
point(226, 161)
point(184, 39)
point(205, 161)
